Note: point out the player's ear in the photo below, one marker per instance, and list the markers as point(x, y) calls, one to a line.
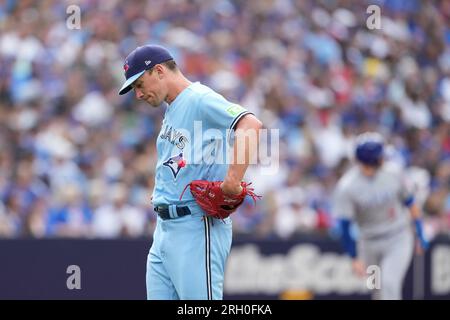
point(159, 71)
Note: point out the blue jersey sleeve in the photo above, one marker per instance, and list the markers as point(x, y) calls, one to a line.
point(347, 239)
point(220, 113)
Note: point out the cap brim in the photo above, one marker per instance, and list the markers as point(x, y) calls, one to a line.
point(127, 85)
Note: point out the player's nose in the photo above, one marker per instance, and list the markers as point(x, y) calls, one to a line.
point(139, 93)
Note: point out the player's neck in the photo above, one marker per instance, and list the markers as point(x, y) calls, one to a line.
point(176, 86)
point(368, 172)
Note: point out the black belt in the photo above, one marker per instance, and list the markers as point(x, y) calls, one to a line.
point(171, 212)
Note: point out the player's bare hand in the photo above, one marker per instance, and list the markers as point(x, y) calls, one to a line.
point(359, 268)
point(231, 188)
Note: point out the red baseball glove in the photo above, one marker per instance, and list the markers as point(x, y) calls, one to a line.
point(214, 202)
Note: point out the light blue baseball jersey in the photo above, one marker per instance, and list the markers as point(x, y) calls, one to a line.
point(188, 255)
point(192, 144)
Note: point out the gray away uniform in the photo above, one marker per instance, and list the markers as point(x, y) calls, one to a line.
point(386, 237)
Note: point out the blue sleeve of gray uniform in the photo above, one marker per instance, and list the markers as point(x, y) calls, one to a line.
point(409, 201)
point(220, 113)
point(406, 191)
point(348, 242)
point(345, 212)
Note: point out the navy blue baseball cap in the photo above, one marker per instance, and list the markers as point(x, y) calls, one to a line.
point(140, 60)
point(370, 148)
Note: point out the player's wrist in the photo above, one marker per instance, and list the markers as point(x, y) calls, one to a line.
point(231, 187)
point(418, 227)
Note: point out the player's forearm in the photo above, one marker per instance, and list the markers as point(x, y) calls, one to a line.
point(415, 211)
point(416, 215)
point(244, 150)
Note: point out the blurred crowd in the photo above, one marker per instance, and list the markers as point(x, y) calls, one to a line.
point(77, 159)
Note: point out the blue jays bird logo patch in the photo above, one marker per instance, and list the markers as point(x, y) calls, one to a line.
point(175, 164)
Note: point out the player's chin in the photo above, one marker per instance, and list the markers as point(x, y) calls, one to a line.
point(152, 102)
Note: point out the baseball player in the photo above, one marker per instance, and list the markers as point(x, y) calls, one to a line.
point(377, 197)
point(190, 248)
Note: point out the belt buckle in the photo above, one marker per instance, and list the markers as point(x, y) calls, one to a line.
point(161, 213)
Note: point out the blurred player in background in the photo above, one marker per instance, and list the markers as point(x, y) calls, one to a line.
point(377, 197)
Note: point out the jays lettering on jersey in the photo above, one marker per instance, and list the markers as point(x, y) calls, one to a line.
point(192, 144)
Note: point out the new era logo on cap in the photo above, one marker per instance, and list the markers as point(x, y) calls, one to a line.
point(142, 59)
